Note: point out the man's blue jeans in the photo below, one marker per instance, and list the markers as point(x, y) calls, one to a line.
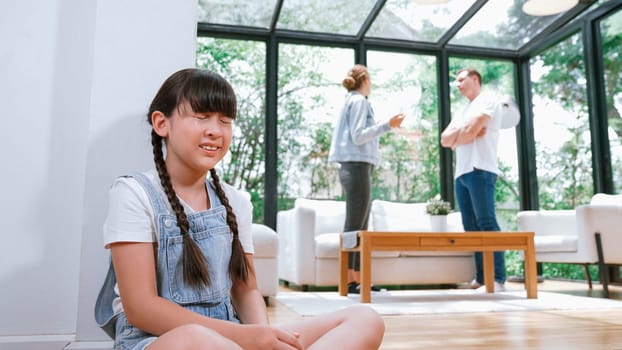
point(475, 193)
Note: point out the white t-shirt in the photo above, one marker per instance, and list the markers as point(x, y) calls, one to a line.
point(482, 152)
point(131, 218)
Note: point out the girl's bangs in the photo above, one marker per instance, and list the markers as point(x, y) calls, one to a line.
point(209, 93)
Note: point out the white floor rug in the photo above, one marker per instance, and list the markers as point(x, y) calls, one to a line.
point(410, 302)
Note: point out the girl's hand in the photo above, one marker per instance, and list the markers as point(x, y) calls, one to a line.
point(260, 337)
point(397, 120)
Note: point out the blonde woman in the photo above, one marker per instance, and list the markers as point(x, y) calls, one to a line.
point(355, 147)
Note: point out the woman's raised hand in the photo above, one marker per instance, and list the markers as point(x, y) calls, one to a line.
point(397, 120)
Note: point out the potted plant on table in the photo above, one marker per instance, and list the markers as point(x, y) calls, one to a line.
point(438, 209)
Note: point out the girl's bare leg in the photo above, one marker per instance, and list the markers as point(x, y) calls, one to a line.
point(192, 337)
point(357, 328)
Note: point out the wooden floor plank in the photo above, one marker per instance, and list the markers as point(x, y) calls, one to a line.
point(532, 330)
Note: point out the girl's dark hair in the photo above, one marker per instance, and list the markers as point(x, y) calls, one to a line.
point(204, 91)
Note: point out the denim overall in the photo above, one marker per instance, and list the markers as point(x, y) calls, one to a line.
point(210, 231)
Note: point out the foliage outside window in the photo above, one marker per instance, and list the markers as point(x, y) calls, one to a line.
point(242, 64)
point(311, 95)
point(611, 30)
point(561, 126)
point(562, 134)
point(409, 170)
point(309, 100)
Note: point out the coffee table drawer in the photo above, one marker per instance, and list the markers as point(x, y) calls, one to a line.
point(451, 241)
point(507, 241)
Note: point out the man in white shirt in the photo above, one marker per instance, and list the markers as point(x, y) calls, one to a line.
point(474, 137)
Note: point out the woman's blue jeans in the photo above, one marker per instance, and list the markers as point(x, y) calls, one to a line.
point(475, 193)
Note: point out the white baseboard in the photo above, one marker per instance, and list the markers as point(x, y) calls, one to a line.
point(90, 345)
point(51, 342)
point(36, 342)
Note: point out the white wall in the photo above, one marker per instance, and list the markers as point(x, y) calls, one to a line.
point(76, 78)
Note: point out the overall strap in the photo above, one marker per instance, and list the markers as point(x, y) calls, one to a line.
point(211, 193)
point(158, 199)
point(156, 196)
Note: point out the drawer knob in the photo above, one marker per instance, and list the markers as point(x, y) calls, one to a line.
point(452, 241)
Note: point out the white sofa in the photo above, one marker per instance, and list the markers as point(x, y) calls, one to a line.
point(266, 244)
point(309, 244)
point(568, 236)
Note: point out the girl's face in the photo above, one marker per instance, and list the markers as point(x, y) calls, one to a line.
point(195, 141)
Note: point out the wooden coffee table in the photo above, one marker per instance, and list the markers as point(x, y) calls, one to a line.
point(485, 242)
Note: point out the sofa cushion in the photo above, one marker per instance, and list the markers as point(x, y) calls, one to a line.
point(400, 217)
point(394, 216)
point(324, 206)
point(454, 222)
point(547, 222)
point(329, 214)
point(606, 199)
point(327, 246)
point(555, 243)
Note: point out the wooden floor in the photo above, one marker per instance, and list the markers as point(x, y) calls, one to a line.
point(568, 330)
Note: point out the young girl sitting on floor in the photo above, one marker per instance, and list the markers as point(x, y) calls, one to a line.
point(181, 244)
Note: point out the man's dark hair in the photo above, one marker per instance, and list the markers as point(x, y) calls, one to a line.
point(472, 72)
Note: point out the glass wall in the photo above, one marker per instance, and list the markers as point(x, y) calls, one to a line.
point(332, 16)
point(501, 24)
point(611, 30)
point(416, 20)
point(309, 104)
point(406, 83)
point(242, 63)
point(310, 97)
point(562, 136)
point(561, 126)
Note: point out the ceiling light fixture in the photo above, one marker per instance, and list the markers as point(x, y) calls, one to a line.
point(547, 7)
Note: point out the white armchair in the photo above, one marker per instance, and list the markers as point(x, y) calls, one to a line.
point(602, 219)
point(266, 243)
point(299, 229)
point(568, 236)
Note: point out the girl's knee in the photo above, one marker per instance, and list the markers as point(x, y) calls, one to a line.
point(369, 318)
point(370, 323)
point(195, 337)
